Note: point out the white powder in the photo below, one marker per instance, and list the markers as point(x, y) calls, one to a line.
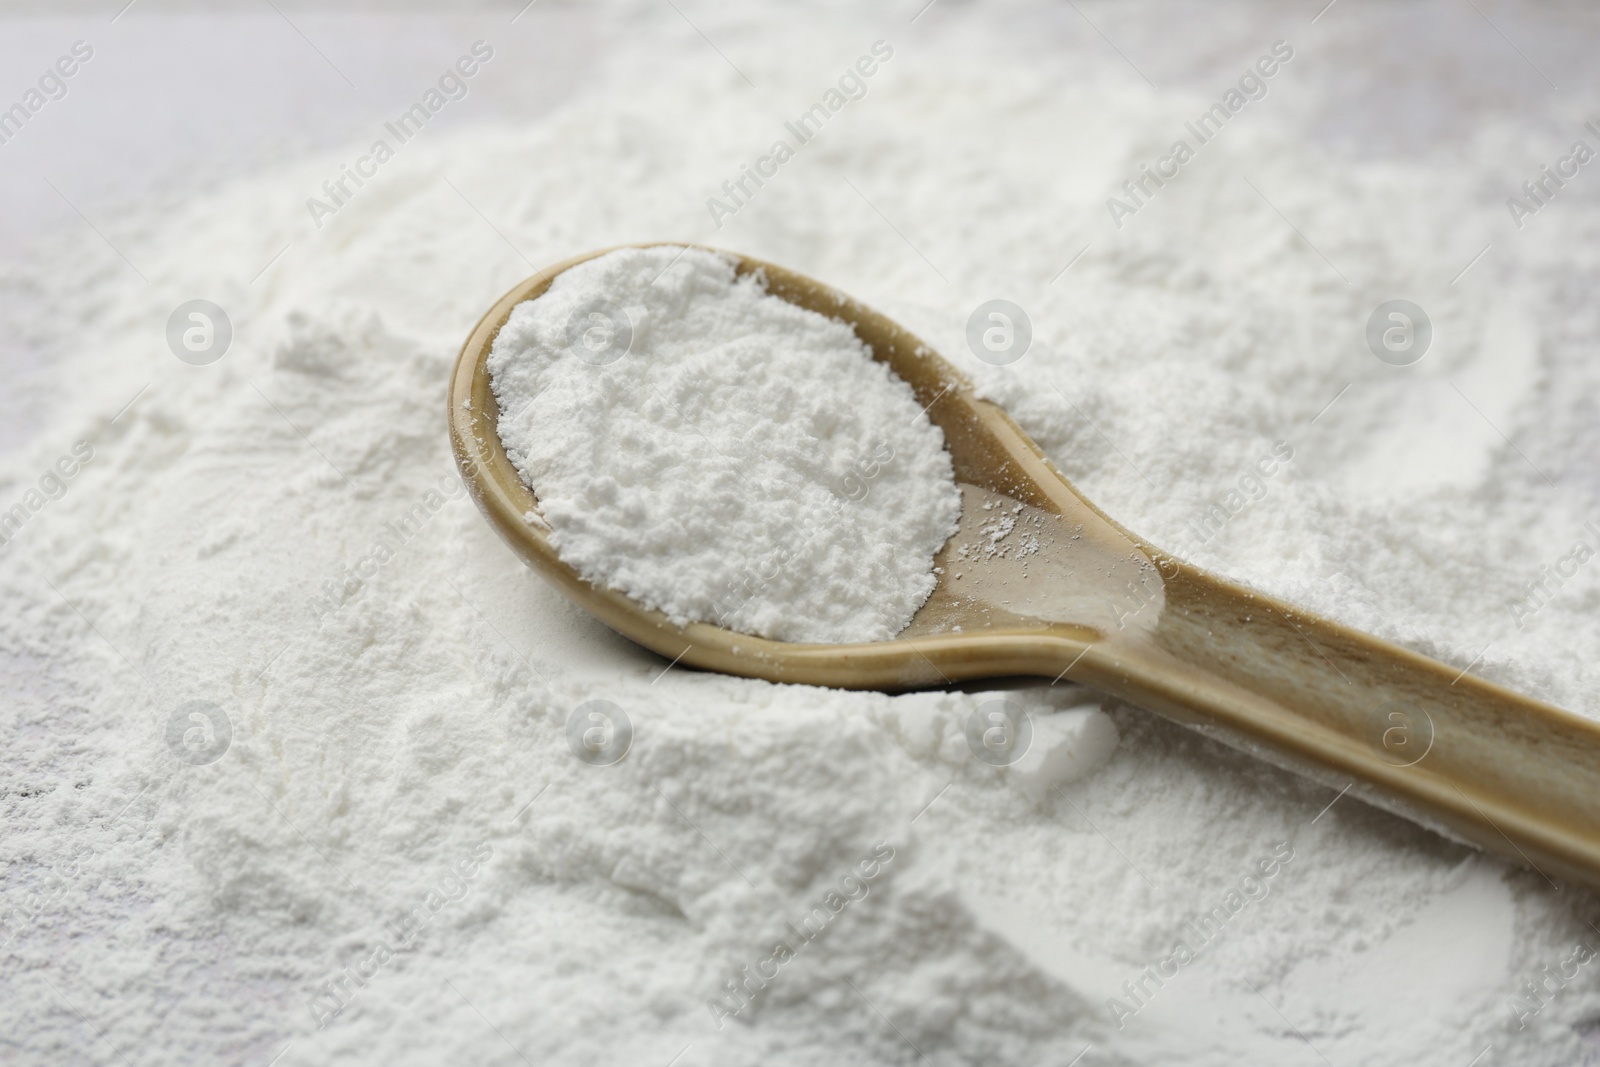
point(722, 455)
point(281, 535)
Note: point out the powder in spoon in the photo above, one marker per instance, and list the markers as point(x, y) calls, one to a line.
point(720, 454)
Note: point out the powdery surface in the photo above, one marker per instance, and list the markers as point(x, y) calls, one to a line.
point(393, 720)
point(722, 455)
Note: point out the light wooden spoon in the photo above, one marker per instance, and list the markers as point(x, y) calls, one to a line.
point(1101, 606)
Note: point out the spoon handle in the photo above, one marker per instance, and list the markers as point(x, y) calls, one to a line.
point(1439, 746)
point(1075, 594)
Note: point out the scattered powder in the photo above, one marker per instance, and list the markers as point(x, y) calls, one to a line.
point(393, 821)
point(722, 455)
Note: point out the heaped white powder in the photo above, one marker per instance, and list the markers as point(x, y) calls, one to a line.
point(394, 857)
point(720, 454)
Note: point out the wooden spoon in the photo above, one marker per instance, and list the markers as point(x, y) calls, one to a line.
point(1102, 606)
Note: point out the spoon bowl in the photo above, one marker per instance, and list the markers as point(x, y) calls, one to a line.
point(1038, 581)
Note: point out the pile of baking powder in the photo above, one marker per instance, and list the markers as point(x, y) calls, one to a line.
point(298, 764)
point(719, 454)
